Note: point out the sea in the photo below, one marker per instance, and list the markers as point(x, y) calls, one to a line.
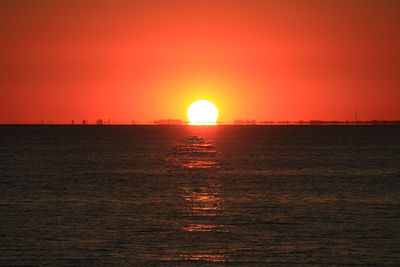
point(109, 195)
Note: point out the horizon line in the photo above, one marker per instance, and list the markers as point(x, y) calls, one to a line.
point(235, 122)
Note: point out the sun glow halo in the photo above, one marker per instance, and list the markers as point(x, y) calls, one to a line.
point(202, 112)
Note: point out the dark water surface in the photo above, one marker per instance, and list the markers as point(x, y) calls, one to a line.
point(154, 195)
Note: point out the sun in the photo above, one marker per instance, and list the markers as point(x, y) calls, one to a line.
point(202, 112)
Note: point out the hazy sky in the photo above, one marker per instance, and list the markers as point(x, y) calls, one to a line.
point(148, 60)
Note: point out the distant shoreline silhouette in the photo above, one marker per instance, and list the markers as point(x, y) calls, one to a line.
point(101, 122)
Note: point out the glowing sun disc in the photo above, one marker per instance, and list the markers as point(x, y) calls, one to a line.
point(202, 112)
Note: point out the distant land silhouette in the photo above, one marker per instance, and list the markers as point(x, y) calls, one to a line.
point(169, 122)
point(317, 122)
point(235, 122)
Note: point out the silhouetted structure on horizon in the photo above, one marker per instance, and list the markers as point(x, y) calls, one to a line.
point(169, 122)
point(244, 122)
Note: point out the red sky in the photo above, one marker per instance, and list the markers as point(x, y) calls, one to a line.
point(148, 60)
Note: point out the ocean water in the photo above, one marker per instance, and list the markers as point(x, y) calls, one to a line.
point(171, 195)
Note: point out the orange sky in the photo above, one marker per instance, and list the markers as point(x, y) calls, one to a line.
point(148, 60)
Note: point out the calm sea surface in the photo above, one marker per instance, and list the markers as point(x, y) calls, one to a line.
point(170, 195)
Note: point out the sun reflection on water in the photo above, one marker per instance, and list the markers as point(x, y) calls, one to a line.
point(206, 257)
point(195, 153)
point(202, 211)
point(202, 201)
